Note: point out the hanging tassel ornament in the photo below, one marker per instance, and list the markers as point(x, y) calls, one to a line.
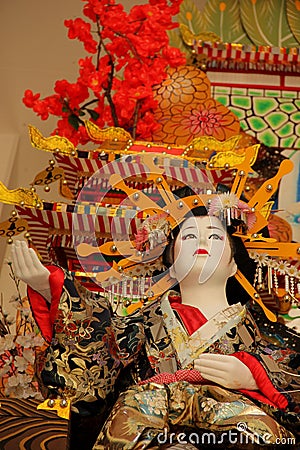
point(260, 278)
point(292, 286)
point(287, 283)
point(228, 216)
point(270, 279)
point(275, 278)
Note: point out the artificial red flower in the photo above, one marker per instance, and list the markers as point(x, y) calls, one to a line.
point(81, 30)
point(30, 98)
point(147, 125)
point(55, 105)
point(115, 86)
point(86, 68)
point(173, 56)
point(64, 128)
point(41, 109)
point(74, 93)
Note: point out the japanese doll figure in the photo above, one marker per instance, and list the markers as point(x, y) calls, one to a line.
point(191, 362)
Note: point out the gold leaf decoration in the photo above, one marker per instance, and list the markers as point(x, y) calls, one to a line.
point(233, 159)
point(189, 38)
point(229, 159)
point(52, 143)
point(204, 142)
point(203, 147)
point(20, 196)
point(266, 209)
point(106, 134)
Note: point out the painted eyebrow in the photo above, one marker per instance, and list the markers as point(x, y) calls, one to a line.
point(209, 227)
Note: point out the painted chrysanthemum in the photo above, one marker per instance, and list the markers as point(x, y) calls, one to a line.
point(184, 122)
point(282, 267)
point(221, 202)
point(185, 84)
point(261, 258)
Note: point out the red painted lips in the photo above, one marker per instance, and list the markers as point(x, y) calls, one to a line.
point(201, 251)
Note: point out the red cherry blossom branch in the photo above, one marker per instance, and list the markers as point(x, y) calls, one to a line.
point(131, 53)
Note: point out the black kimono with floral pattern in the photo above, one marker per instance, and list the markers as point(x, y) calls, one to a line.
point(98, 359)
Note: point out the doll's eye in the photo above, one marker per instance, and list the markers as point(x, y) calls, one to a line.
point(189, 236)
point(216, 236)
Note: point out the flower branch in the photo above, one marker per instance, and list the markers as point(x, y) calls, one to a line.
point(130, 55)
point(18, 349)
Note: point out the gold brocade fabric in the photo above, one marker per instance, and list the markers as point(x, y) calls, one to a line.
point(151, 415)
point(92, 347)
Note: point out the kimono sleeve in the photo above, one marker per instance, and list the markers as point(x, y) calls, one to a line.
point(86, 354)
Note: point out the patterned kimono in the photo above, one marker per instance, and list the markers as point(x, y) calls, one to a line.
point(92, 352)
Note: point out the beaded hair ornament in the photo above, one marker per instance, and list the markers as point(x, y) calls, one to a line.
point(135, 260)
point(129, 282)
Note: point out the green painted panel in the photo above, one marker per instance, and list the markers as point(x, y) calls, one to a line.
point(239, 91)
point(288, 141)
point(238, 112)
point(277, 119)
point(272, 116)
point(289, 94)
point(224, 99)
point(222, 90)
point(296, 117)
point(272, 93)
point(243, 102)
point(285, 100)
point(288, 108)
point(286, 130)
point(263, 106)
point(244, 126)
point(257, 123)
point(269, 138)
point(255, 93)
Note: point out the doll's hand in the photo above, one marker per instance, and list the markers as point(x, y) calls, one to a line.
point(29, 269)
point(225, 370)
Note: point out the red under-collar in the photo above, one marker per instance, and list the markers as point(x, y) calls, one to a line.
point(191, 316)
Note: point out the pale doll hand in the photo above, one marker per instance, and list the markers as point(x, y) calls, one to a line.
point(28, 268)
point(225, 370)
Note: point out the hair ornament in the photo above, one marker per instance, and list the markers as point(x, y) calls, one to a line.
point(230, 208)
point(153, 232)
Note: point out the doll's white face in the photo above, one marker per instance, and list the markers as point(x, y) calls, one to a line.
point(202, 250)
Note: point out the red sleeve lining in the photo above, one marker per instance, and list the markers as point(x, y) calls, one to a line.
point(267, 389)
point(43, 312)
